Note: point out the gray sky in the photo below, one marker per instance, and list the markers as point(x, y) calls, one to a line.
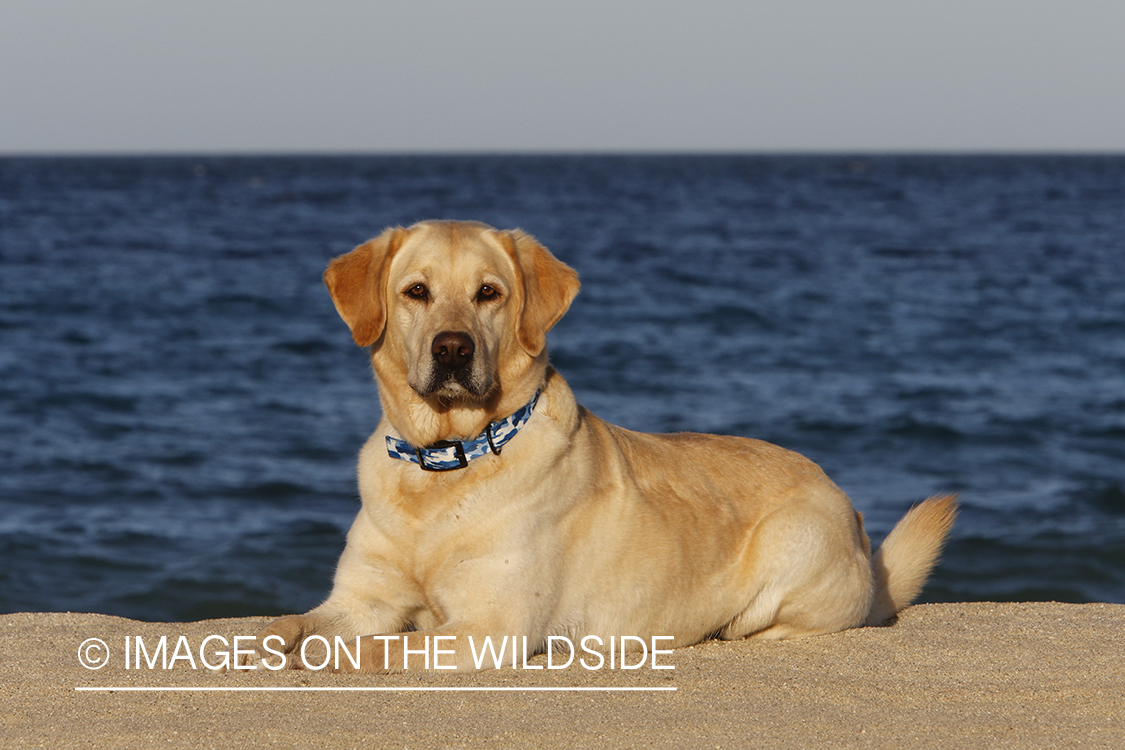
point(520, 75)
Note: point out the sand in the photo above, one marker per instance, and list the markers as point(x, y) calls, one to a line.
point(976, 675)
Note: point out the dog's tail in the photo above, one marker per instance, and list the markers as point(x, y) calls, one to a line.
point(904, 560)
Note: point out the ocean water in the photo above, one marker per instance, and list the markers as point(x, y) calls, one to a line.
point(180, 407)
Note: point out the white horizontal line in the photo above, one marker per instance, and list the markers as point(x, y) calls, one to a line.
point(384, 689)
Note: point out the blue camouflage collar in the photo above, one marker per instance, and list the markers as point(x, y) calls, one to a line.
point(446, 455)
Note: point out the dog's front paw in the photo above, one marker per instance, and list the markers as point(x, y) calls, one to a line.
point(279, 640)
point(285, 633)
point(371, 656)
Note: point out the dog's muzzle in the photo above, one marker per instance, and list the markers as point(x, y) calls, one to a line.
point(454, 365)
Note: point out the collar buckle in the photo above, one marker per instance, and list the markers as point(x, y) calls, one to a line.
point(458, 454)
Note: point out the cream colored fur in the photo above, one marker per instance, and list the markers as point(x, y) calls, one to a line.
point(578, 527)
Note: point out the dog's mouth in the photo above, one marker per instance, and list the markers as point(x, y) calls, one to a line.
point(455, 385)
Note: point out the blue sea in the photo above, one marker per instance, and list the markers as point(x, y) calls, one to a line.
point(181, 408)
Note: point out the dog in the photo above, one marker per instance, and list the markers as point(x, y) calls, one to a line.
point(494, 505)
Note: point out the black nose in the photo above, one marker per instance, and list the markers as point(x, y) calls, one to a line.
point(453, 349)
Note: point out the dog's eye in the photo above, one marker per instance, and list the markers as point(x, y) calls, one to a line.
point(418, 292)
point(487, 292)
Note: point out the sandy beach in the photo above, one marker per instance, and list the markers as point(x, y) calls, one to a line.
point(946, 675)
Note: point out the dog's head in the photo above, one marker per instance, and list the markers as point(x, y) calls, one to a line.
point(458, 312)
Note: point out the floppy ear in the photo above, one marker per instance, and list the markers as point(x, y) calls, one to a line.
point(356, 282)
point(549, 286)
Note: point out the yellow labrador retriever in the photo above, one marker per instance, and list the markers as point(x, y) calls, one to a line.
point(495, 505)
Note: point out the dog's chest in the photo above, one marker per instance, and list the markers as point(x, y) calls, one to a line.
point(433, 521)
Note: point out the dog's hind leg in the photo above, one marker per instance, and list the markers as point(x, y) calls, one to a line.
point(809, 568)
